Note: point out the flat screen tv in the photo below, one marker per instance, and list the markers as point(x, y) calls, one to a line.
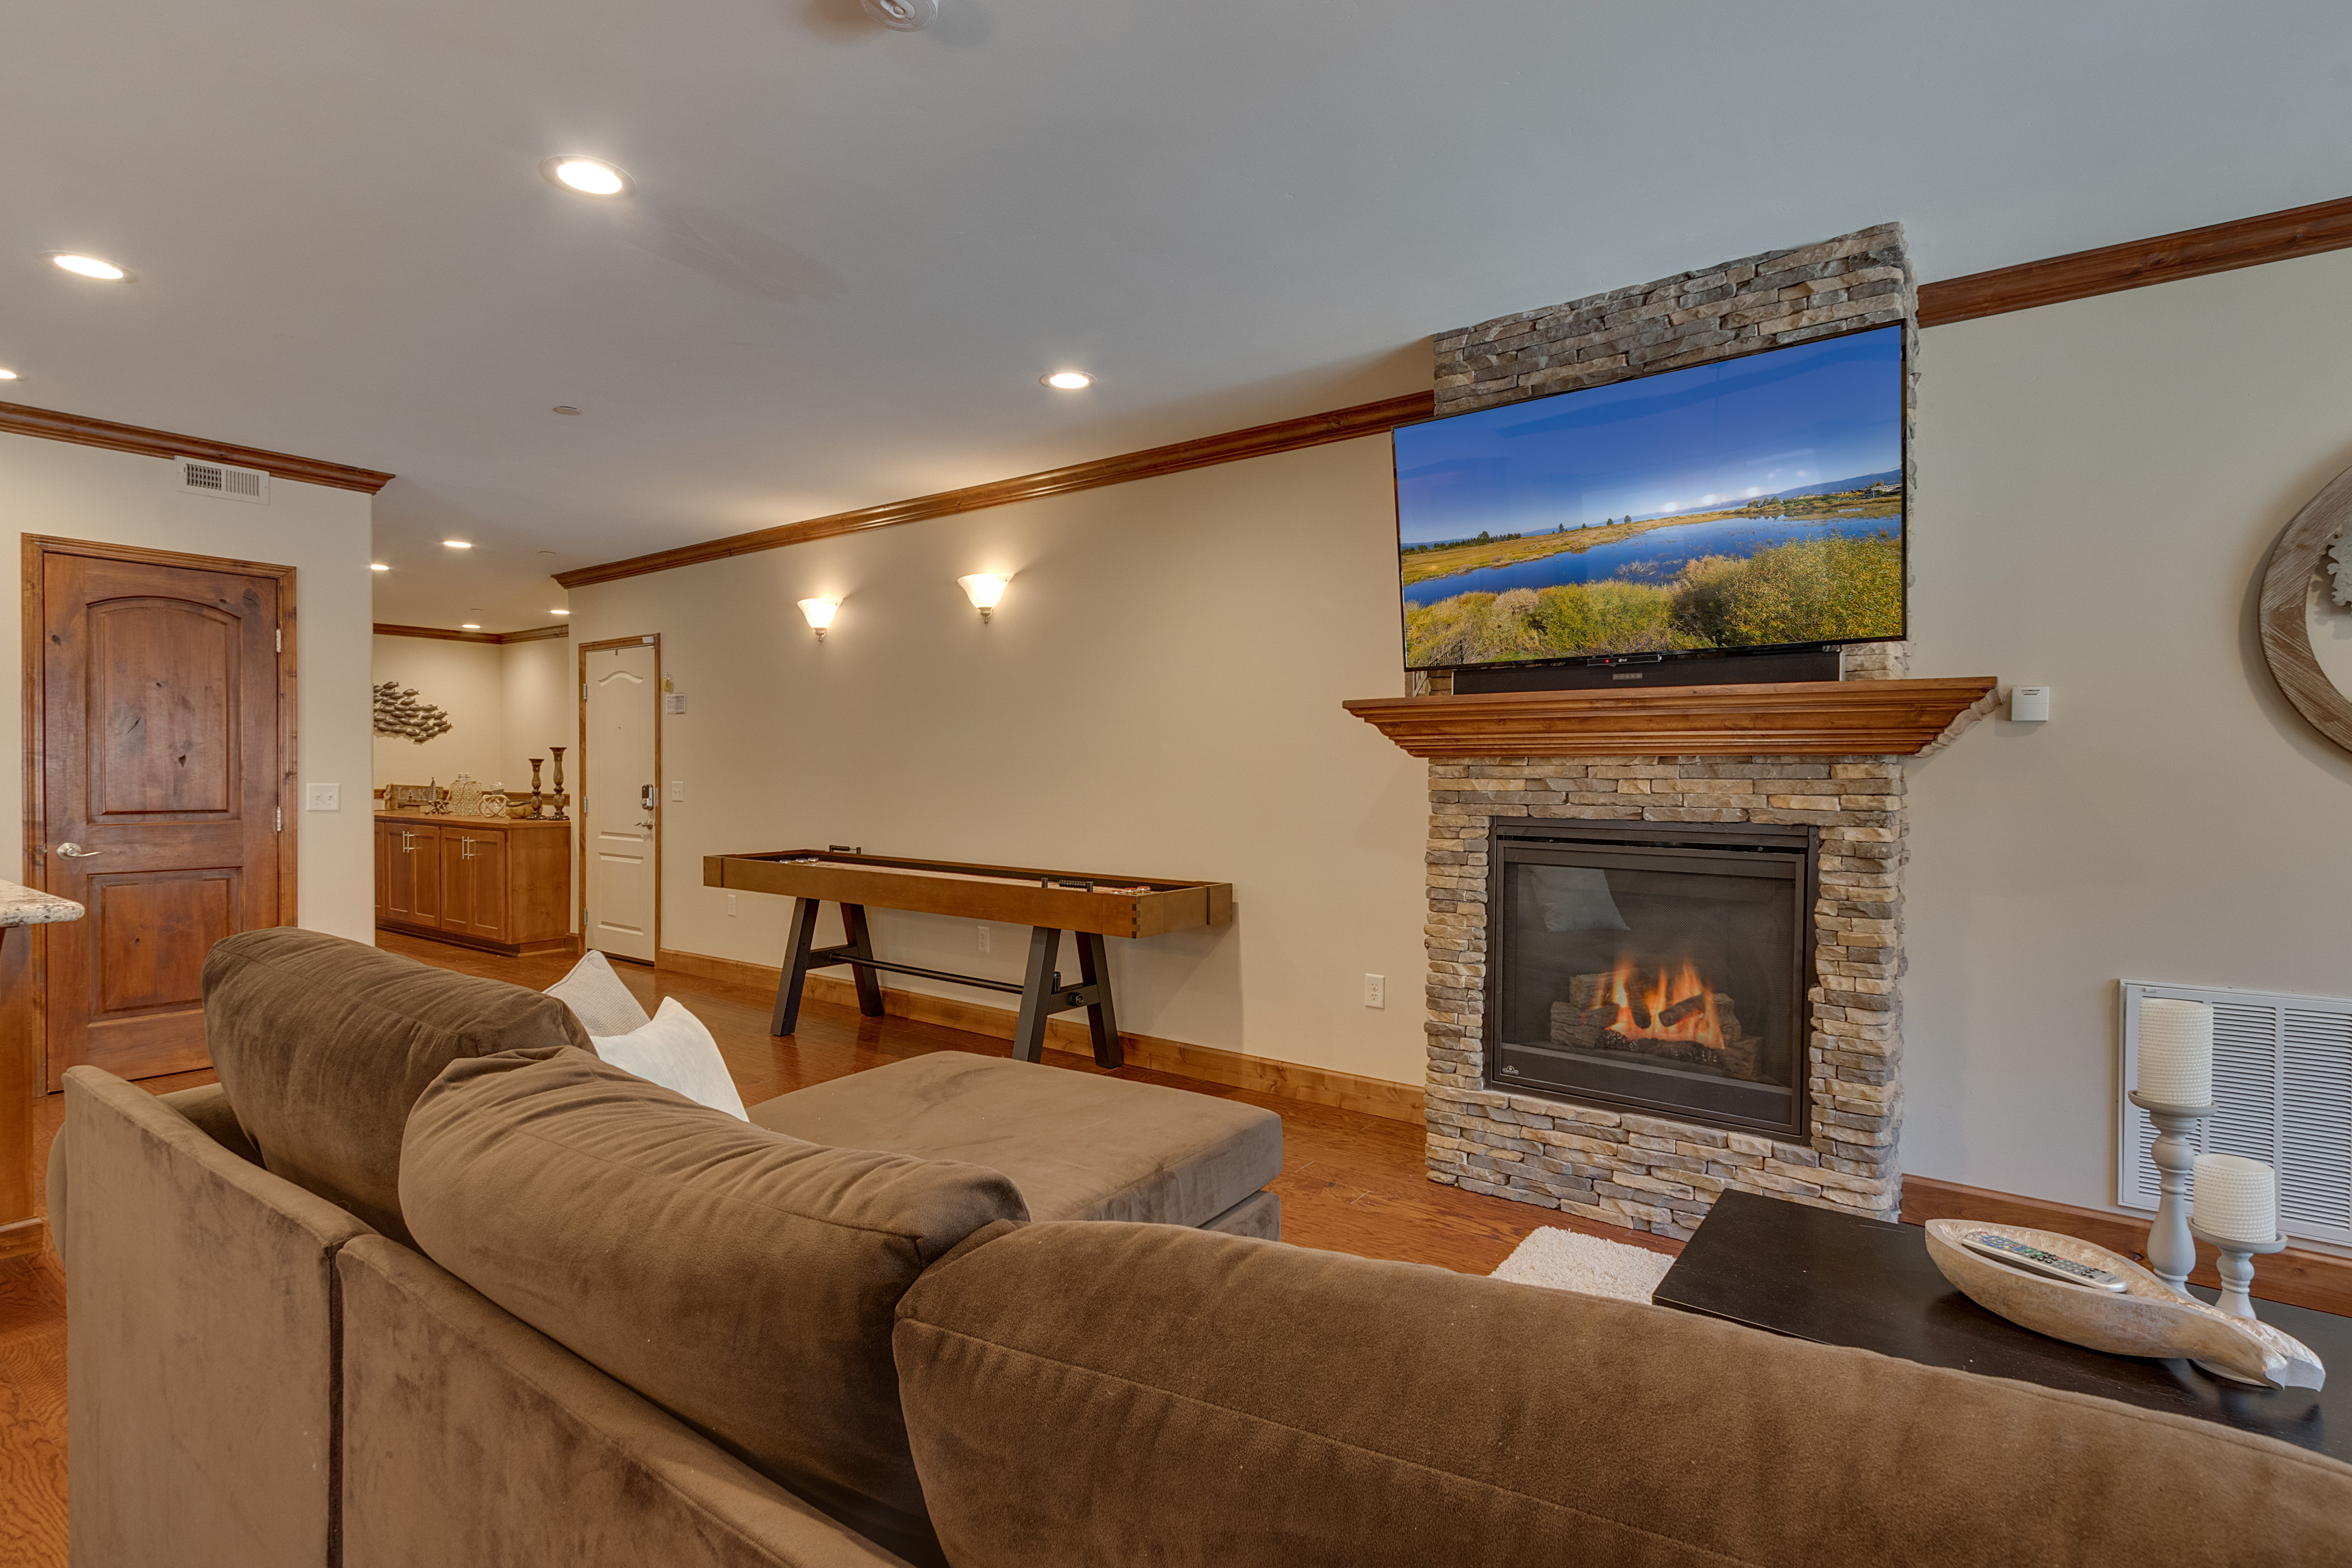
point(1753, 503)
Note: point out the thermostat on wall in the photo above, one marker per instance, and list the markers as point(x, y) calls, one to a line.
point(2029, 704)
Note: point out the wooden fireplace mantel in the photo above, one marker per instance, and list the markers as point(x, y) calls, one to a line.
point(1805, 719)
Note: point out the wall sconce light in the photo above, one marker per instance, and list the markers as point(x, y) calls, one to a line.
point(984, 589)
point(820, 613)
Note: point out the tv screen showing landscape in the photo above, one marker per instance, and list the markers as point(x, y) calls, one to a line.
point(1755, 502)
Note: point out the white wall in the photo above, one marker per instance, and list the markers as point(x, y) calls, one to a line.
point(507, 704)
point(540, 682)
point(1158, 696)
point(2099, 484)
point(466, 681)
point(62, 490)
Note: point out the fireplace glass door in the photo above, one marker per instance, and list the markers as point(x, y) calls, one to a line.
point(1667, 977)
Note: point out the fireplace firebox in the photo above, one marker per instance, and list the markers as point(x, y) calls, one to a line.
point(1656, 967)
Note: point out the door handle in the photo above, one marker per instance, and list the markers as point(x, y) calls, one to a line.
point(76, 852)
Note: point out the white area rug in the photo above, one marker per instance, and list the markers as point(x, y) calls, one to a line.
point(1571, 1260)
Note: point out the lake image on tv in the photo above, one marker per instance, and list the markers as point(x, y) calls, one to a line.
point(1750, 503)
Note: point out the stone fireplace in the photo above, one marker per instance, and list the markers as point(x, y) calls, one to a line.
point(1665, 927)
point(1621, 1146)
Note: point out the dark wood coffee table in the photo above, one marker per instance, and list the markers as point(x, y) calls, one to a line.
point(1840, 1279)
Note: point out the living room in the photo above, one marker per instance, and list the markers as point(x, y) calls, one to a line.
point(788, 476)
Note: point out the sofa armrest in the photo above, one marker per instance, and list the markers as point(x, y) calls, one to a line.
point(581, 1472)
point(201, 1343)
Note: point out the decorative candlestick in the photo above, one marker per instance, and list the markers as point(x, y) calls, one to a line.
point(2235, 1212)
point(535, 808)
point(557, 753)
point(2171, 1251)
point(2176, 1089)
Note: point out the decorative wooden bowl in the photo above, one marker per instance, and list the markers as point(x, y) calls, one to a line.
point(2147, 1318)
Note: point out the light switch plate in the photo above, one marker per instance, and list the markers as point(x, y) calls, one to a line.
point(322, 797)
point(673, 702)
point(678, 792)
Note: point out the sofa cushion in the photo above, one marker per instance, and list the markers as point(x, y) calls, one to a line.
point(1075, 1390)
point(1079, 1146)
point(323, 1045)
point(742, 1279)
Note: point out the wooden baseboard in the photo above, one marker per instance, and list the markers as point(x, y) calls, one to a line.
point(1316, 1086)
point(2299, 1278)
point(24, 1238)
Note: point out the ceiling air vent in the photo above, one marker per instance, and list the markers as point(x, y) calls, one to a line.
point(220, 479)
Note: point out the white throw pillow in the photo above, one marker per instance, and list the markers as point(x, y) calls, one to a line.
point(598, 999)
point(675, 1051)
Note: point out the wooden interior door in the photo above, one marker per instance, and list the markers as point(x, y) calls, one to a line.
point(162, 747)
point(620, 795)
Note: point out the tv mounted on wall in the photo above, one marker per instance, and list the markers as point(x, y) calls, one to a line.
point(1750, 504)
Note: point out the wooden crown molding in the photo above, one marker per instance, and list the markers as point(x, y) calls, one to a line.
point(442, 634)
point(1258, 441)
point(2247, 242)
point(22, 419)
point(2191, 253)
point(1795, 719)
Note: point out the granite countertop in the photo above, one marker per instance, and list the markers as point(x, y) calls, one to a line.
point(23, 906)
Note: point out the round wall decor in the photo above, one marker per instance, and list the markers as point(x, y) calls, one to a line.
point(2286, 588)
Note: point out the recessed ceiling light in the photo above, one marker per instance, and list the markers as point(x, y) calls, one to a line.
point(565, 408)
point(378, 566)
point(1068, 379)
point(8, 375)
point(588, 176)
point(558, 612)
point(88, 266)
point(470, 627)
point(459, 543)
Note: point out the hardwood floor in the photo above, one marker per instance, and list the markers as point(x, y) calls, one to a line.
point(1350, 1183)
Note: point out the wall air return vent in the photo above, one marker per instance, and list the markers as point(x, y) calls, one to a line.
point(220, 479)
point(2282, 1094)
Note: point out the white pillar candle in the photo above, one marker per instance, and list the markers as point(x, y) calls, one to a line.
point(2176, 1052)
point(2236, 1198)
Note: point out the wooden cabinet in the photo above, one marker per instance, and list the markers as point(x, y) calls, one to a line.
point(505, 886)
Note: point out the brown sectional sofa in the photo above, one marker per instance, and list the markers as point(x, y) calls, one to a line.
point(622, 1329)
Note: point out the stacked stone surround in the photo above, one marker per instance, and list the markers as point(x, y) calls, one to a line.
point(1651, 1173)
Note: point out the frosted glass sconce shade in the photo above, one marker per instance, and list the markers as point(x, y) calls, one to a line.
point(984, 589)
point(820, 613)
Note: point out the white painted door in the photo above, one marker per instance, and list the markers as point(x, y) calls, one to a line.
point(620, 805)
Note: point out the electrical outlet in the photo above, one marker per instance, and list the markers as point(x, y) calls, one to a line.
point(1376, 990)
point(322, 797)
point(678, 792)
point(730, 905)
point(983, 939)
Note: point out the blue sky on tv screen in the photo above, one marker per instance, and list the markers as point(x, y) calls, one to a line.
point(1686, 441)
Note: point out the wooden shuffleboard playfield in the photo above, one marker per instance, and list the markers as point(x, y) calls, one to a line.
point(1090, 905)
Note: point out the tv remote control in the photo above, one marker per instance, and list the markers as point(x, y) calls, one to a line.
point(2018, 1254)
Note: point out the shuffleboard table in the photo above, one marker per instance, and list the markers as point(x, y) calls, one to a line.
point(1089, 905)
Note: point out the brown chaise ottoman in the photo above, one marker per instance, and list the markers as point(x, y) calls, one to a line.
point(1079, 1146)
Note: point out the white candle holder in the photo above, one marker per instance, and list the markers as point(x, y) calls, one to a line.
point(2171, 1249)
point(2236, 1267)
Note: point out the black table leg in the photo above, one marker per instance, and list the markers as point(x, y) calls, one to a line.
point(1029, 1033)
point(1102, 1021)
point(801, 938)
point(870, 984)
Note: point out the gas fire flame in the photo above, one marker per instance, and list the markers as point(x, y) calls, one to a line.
point(1645, 999)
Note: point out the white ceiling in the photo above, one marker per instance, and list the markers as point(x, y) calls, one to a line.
point(852, 252)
